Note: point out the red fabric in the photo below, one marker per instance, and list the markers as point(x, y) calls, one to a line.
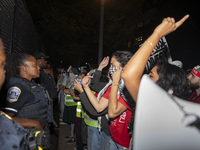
point(119, 126)
point(196, 72)
point(194, 98)
point(96, 94)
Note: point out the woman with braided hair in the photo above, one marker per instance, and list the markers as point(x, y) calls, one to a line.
point(25, 100)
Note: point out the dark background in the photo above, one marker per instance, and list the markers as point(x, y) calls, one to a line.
point(69, 30)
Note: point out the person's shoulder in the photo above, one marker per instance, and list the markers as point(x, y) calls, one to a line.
point(16, 86)
point(15, 82)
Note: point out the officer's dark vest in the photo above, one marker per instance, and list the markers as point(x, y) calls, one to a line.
point(48, 83)
point(11, 134)
point(36, 109)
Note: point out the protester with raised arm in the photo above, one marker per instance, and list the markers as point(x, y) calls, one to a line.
point(120, 138)
point(135, 67)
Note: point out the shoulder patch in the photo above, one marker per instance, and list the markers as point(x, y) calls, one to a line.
point(13, 94)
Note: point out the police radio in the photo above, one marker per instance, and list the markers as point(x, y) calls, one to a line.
point(38, 139)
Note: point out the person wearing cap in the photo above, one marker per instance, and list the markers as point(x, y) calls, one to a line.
point(45, 79)
point(194, 83)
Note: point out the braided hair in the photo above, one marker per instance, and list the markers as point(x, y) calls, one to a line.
point(13, 64)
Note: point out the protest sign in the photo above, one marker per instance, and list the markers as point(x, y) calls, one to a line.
point(163, 122)
point(161, 52)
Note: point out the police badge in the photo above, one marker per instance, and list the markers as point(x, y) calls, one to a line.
point(13, 94)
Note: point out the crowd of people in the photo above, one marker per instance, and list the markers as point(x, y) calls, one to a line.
point(99, 103)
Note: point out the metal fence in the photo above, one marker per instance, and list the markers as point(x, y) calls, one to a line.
point(16, 28)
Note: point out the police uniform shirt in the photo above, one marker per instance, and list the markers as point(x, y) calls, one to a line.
point(17, 96)
point(46, 81)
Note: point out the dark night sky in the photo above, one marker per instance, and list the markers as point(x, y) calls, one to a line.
point(183, 43)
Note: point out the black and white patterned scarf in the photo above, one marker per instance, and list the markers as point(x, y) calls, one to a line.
point(119, 92)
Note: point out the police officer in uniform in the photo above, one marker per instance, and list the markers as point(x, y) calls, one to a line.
point(25, 100)
point(46, 79)
point(11, 133)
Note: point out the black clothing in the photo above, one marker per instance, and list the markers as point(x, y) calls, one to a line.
point(26, 99)
point(96, 86)
point(69, 115)
point(48, 83)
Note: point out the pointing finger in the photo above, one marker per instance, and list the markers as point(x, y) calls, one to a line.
point(180, 22)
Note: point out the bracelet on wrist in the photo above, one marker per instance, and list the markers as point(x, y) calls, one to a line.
point(113, 84)
point(154, 50)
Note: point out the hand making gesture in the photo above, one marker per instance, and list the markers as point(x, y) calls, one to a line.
point(103, 63)
point(86, 80)
point(135, 67)
point(169, 25)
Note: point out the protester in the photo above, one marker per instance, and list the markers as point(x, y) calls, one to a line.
point(194, 83)
point(99, 80)
point(80, 145)
point(134, 69)
point(69, 115)
point(123, 109)
point(165, 75)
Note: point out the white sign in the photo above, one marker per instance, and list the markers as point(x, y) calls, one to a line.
point(160, 124)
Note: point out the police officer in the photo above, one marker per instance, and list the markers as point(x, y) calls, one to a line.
point(25, 100)
point(45, 79)
point(11, 133)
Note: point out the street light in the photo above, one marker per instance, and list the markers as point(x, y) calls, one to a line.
point(101, 33)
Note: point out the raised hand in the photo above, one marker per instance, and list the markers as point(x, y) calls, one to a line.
point(169, 25)
point(86, 80)
point(103, 63)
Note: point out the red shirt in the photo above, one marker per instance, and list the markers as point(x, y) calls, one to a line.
point(194, 98)
point(119, 126)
